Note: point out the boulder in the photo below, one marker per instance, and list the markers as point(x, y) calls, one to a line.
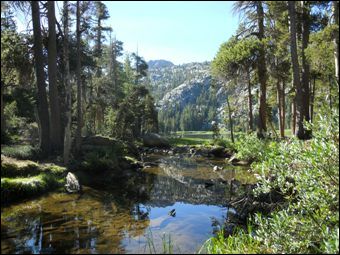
point(72, 184)
point(90, 143)
point(155, 140)
point(99, 141)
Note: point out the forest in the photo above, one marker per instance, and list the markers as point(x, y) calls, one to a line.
point(104, 152)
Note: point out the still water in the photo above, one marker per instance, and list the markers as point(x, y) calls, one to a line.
point(176, 204)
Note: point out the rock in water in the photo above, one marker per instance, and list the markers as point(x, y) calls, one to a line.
point(216, 168)
point(72, 184)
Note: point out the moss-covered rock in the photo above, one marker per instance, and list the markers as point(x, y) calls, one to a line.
point(54, 169)
point(24, 178)
point(14, 189)
point(101, 142)
point(11, 167)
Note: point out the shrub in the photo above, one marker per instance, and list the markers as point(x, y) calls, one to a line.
point(224, 143)
point(20, 151)
point(250, 148)
point(310, 221)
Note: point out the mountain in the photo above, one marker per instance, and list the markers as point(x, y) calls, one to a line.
point(159, 63)
point(185, 96)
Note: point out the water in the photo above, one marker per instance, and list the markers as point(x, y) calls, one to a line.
point(131, 214)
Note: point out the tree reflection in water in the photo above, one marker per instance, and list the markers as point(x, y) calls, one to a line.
point(116, 217)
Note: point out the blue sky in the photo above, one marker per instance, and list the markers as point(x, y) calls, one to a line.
point(179, 31)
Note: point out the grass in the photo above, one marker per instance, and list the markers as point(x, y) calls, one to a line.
point(195, 138)
point(240, 243)
point(24, 178)
point(167, 244)
point(14, 189)
point(11, 167)
point(189, 141)
point(224, 133)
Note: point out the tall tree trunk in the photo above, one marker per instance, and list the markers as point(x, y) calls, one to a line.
point(280, 107)
point(68, 99)
point(3, 125)
point(296, 70)
point(304, 94)
point(98, 71)
point(230, 121)
point(330, 91)
point(312, 96)
point(113, 70)
point(56, 132)
point(336, 40)
point(283, 111)
point(293, 113)
point(40, 76)
point(79, 94)
point(262, 73)
point(250, 105)
point(99, 35)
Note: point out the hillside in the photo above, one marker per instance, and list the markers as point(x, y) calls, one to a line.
point(187, 97)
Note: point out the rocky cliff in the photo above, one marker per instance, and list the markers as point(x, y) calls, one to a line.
point(177, 87)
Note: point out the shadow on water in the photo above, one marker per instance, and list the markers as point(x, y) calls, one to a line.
point(181, 197)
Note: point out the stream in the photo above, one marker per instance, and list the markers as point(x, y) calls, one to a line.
point(177, 203)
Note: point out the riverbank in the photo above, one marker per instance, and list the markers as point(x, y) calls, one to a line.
point(305, 174)
point(180, 196)
point(102, 160)
point(21, 179)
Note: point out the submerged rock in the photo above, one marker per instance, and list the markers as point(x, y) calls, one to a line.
point(72, 184)
point(216, 168)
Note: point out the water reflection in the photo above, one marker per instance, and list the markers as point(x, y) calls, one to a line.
point(127, 213)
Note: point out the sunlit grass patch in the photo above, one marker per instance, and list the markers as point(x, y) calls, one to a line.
point(189, 141)
point(11, 167)
point(14, 189)
point(24, 178)
point(240, 242)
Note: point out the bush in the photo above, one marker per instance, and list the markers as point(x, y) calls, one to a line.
point(14, 123)
point(224, 143)
point(250, 148)
point(310, 221)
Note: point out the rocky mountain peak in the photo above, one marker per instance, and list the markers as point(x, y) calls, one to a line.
point(160, 63)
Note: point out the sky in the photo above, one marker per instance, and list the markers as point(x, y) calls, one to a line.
point(179, 31)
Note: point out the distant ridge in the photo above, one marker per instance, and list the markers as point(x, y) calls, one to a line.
point(160, 63)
